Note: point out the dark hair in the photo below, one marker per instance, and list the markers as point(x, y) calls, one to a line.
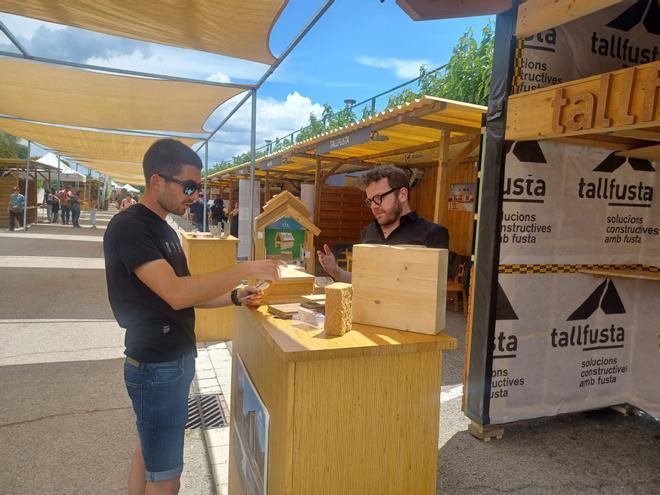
point(396, 176)
point(167, 156)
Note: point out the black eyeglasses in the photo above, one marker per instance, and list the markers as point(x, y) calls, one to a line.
point(189, 186)
point(378, 198)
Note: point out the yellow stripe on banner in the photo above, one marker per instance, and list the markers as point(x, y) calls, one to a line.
point(550, 268)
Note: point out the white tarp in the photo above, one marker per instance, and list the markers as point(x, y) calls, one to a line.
point(67, 174)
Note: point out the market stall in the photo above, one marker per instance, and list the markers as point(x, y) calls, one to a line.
point(566, 282)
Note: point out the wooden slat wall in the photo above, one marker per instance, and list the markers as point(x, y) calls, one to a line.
point(342, 215)
point(6, 185)
point(460, 224)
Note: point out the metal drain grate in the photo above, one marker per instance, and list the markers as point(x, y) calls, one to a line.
point(207, 411)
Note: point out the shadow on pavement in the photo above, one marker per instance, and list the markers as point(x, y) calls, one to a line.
point(590, 453)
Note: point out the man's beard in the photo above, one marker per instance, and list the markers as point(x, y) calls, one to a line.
point(393, 216)
point(171, 207)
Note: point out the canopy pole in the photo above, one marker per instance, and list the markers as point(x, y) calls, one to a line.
point(27, 185)
point(59, 180)
point(253, 146)
point(206, 184)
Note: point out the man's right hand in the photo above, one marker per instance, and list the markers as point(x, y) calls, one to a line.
point(328, 261)
point(265, 269)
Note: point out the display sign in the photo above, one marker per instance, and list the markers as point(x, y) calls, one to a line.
point(617, 37)
point(249, 428)
point(572, 205)
point(356, 137)
point(570, 342)
point(461, 197)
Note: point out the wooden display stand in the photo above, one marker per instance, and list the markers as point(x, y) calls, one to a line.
point(285, 205)
point(356, 414)
point(206, 255)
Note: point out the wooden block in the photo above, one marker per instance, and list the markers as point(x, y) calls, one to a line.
point(486, 434)
point(338, 308)
point(400, 287)
point(284, 310)
point(293, 284)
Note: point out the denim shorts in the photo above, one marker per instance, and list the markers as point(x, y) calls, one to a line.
point(159, 393)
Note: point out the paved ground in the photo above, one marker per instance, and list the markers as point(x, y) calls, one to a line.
point(65, 418)
point(66, 426)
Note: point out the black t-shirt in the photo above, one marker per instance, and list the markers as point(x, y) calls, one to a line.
point(412, 229)
point(154, 331)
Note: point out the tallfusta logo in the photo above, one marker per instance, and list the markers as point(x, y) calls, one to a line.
point(628, 50)
point(604, 298)
point(616, 192)
point(504, 346)
point(528, 189)
point(645, 11)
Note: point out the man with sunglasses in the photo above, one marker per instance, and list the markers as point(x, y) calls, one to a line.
point(388, 190)
point(153, 297)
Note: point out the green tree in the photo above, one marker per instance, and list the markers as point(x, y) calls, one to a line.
point(10, 147)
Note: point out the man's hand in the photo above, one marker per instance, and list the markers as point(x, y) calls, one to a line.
point(249, 296)
point(265, 269)
point(328, 261)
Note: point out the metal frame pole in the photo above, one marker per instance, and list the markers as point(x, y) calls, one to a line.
point(206, 185)
point(59, 179)
point(27, 186)
point(253, 145)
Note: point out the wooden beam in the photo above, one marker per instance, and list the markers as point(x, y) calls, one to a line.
point(622, 100)
point(535, 16)
point(267, 188)
point(464, 152)
point(647, 152)
point(646, 134)
point(331, 171)
point(318, 182)
point(604, 141)
point(440, 208)
point(440, 125)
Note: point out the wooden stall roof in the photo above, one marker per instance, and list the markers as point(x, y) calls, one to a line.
point(408, 135)
point(419, 10)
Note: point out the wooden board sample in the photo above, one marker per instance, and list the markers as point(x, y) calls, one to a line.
point(410, 294)
point(293, 284)
point(284, 310)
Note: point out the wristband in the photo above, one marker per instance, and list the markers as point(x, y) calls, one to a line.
point(234, 298)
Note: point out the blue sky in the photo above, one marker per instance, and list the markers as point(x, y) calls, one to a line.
point(359, 48)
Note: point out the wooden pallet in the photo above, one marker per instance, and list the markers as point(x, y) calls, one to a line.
point(486, 434)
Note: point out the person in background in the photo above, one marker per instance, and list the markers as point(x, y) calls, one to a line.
point(15, 208)
point(74, 205)
point(92, 213)
point(63, 196)
point(233, 221)
point(388, 190)
point(197, 210)
point(218, 217)
point(126, 202)
point(54, 202)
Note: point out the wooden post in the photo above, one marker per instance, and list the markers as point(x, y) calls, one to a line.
point(318, 182)
point(267, 188)
point(441, 186)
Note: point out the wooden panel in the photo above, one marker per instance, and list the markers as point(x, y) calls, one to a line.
point(7, 183)
point(416, 277)
point(296, 341)
point(371, 433)
point(273, 379)
point(342, 215)
point(647, 152)
point(207, 256)
point(636, 274)
point(535, 16)
point(616, 101)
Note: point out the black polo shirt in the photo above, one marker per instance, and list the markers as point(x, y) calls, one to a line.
point(154, 331)
point(412, 229)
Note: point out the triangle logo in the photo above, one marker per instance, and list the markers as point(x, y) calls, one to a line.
point(645, 11)
point(605, 297)
point(526, 151)
point(612, 162)
point(504, 310)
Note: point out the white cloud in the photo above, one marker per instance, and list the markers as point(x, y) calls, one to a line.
point(275, 118)
point(219, 77)
point(403, 68)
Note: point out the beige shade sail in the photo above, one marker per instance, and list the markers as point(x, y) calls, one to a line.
point(62, 95)
point(236, 28)
point(84, 144)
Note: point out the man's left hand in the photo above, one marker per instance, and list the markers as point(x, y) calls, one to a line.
point(249, 296)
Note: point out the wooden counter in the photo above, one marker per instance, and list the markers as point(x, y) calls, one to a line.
point(356, 414)
point(206, 255)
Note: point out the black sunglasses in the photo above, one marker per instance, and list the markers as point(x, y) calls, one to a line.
point(378, 198)
point(189, 186)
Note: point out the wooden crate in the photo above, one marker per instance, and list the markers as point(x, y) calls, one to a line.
point(401, 287)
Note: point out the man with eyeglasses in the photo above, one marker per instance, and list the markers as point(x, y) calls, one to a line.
point(153, 297)
point(388, 191)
